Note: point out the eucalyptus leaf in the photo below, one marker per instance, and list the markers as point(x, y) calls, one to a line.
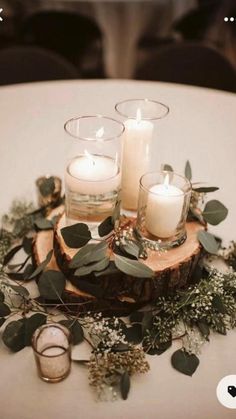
point(208, 241)
point(136, 317)
point(204, 328)
point(184, 362)
point(106, 227)
point(29, 269)
point(27, 245)
point(147, 322)
point(42, 265)
point(76, 330)
point(4, 310)
point(133, 267)
point(31, 324)
point(14, 335)
point(188, 171)
point(125, 385)
point(93, 267)
point(51, 284)
point(131, 248)
point(116, 213)
point(88, 254)
point(133, 334)
point(110, 270)
point(219, 305)
point(206, 189)
point(43, 224)
point(214, 212)
point(77, 235)
point(11, 254)
point(160, 349)
point(47, 186)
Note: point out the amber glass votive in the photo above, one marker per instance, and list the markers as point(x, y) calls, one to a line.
point(52, 350)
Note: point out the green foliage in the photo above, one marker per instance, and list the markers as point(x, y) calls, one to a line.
point(42, 265)
point(89, 254)
point(214, 212)
point(106, 227)
point(51, 284)
point(184, 362)
point(188, 171)
point(124, 385)
point(208, 241)
point(77, 235)
point(133, 267)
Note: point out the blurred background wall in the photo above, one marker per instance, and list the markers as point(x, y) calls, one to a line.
point(183, 41)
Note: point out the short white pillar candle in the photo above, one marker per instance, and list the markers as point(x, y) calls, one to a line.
point(164, 209)
point(92, 175)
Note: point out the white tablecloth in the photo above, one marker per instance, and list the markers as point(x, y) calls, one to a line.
point(122, 22)
point(200, 127)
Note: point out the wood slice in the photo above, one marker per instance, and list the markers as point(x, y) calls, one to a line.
point(173, 269)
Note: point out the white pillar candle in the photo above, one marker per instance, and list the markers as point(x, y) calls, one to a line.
point(92, 175)
point(135, 160)
point(164, 209)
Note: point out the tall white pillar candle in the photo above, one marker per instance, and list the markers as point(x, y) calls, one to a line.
point(164, 209)
point(135, 159)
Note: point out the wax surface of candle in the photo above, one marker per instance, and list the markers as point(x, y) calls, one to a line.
point(92, 175)
point(164, 209)
point(136, 158)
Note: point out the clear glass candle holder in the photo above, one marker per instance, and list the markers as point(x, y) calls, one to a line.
point(93, 175)
point(52, 350)
point(140, 117)
point(163, 206)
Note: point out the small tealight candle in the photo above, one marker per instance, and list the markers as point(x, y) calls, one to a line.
point(164, 209)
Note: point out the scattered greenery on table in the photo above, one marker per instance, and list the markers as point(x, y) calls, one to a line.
point(118, 347)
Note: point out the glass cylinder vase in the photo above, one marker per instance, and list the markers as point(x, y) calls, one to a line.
point(52, 350)
point(140, 117)
point(93, 175)
point(163, 206)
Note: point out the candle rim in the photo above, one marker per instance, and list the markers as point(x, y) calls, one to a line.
point(156, 102)
point(183, 192)
point(93, 181)
point(77, 118)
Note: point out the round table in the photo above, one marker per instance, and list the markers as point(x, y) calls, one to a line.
point(201, 128)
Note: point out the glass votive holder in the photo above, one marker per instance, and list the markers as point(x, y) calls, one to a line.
point(52, 350)
point(140, 117)
point(163, 206)
point(93, 175)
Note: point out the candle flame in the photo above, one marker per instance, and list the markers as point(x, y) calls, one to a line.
point(167, 180)
point(138, 115)
point(100, 133)
point(89, 157)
